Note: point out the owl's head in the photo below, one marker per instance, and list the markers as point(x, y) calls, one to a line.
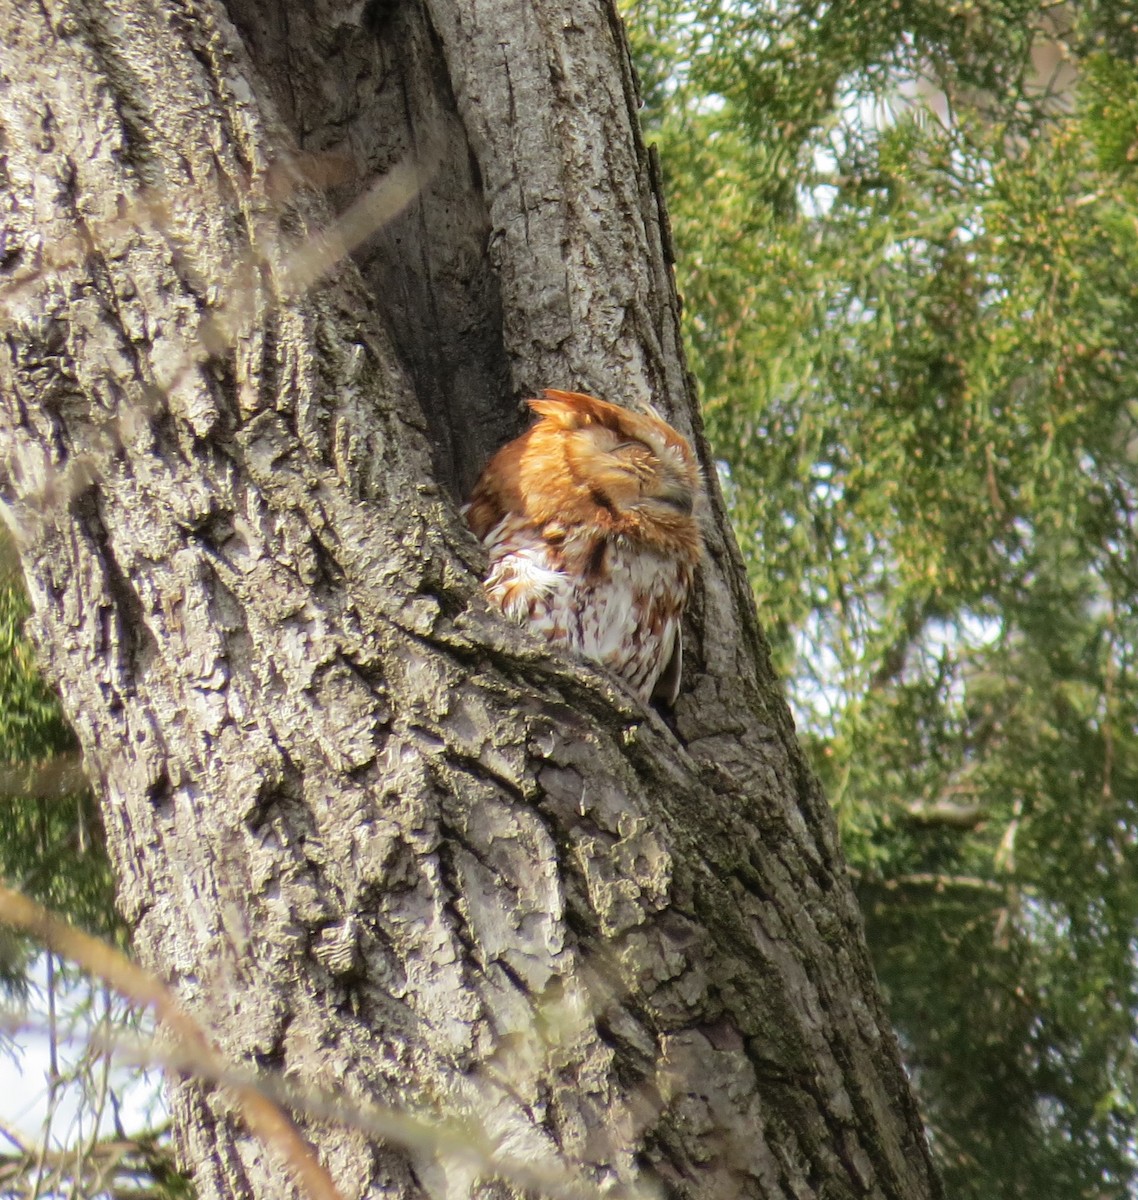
point(630, 464)
point(594, 465)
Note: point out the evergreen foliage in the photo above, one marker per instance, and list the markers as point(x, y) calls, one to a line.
point(908, 249)
point(51, 843)
point(52, 849)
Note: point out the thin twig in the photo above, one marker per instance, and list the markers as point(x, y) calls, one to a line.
point(265, 1119)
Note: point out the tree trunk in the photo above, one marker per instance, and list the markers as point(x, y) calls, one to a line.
point(376, 838)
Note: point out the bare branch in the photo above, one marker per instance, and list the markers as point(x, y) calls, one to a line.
point(265, 1118)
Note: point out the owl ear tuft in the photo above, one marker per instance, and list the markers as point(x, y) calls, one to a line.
point(574, 410)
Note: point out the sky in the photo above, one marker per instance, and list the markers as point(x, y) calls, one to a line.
point(26, 1059)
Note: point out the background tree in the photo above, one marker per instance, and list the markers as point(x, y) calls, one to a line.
point(52, 849)
point(378, 841)
point(906, 246)
point(50, 836)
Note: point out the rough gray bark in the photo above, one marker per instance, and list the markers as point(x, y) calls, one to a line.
point(375, 838)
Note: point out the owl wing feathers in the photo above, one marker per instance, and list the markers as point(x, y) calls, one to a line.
point(667, 686)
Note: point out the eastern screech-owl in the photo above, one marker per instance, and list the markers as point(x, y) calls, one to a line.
point(591, 522)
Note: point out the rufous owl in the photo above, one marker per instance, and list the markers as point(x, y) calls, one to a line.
point(591, 521)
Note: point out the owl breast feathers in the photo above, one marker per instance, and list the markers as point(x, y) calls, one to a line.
point(590, 521)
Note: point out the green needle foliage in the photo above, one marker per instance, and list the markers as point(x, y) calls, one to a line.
point(908, 249)
point(52, 849)
point(51, 844)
